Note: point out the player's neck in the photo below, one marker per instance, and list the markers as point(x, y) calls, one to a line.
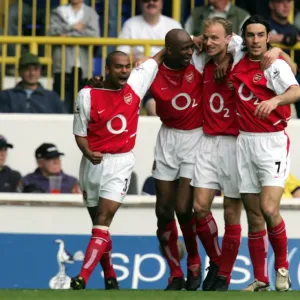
point(109, 85)
point(256, 57)
point(171, 64)
point(217, 59)
point(282, 21)
point(152, 19)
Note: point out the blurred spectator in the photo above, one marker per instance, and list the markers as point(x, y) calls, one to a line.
point(49, 164)
point(255, 7)
point(149, 186)
point(282, 31)
point(292, 187)
point(150, 105)
point(13, 20)
point(133, 186)
point(9, 179)
point(150, 25)
point(29, 96)
point(220, 8)
point(73, 20)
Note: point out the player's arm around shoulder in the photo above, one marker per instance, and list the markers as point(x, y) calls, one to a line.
point(144, 73)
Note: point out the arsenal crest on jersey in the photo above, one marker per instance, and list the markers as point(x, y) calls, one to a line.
point(190, 77)
point(257, 77)
point(128, 98)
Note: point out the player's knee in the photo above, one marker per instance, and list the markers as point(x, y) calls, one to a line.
point(232, 211)
point(184, 216)
point(256, 222)
point(231, 216)
point(164, 213)
point(270, 212)
point(201, 211)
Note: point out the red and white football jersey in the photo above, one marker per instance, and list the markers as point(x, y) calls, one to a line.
point(253, 86)
point(178, 96)
point(108, 118)
point(219, 104)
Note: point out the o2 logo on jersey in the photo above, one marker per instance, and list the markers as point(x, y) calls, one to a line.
point(118, 117)
point(221, 107)
point(190, 77)
point(128, 98)
point(257, 77)
point(246, 97)
point(188, 101)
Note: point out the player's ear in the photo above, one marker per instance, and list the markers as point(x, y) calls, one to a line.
point(106, 70)
point(227, 39)
point(268, 37)
point(168, 50)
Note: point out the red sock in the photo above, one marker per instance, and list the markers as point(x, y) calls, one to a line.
point(230, 248)
point(94, 252)
point(190, 239)
point(258, 249)
point(168, 238)
point(106, 262)
point(278, 240)
point(207, 231)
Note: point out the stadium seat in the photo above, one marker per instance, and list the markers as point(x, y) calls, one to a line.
point(97, 66)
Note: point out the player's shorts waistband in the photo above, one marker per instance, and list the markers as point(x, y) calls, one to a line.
point(199, 129)
point(107, 155)
point(221, 137)
point(275, 133)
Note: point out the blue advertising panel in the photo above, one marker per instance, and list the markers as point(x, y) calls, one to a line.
point(39, 261)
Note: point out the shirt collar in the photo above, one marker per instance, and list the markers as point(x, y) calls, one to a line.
point(40, 89)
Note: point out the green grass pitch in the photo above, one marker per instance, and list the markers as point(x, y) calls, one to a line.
point(142, 294)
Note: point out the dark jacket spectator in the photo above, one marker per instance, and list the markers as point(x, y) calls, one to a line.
point(38, 182)
point(194, 24)
point(49, 165)
point(29, 96)
point(9, 179)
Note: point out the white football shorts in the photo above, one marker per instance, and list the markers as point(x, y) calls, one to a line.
point(216, 165)
point(175, 153)
point(109, 180)
point(263, 160)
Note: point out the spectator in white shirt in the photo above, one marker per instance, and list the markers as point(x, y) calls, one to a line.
point(150, 25)
point(72, 20)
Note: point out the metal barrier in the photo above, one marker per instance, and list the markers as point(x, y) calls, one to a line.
point(4, 6)
point(34, 42)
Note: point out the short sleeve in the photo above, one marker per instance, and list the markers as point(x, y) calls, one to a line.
point(280, 77)
point(234, 48)
point(82, 112)
point(199, 61)
point(142, 77)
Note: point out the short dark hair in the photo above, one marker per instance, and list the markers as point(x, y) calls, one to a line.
point(255, 19)
point(111, 55)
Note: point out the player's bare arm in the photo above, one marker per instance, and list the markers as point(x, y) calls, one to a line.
point(94, 157)
point(291, 96)
point(222, 69)
point(273, 54)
